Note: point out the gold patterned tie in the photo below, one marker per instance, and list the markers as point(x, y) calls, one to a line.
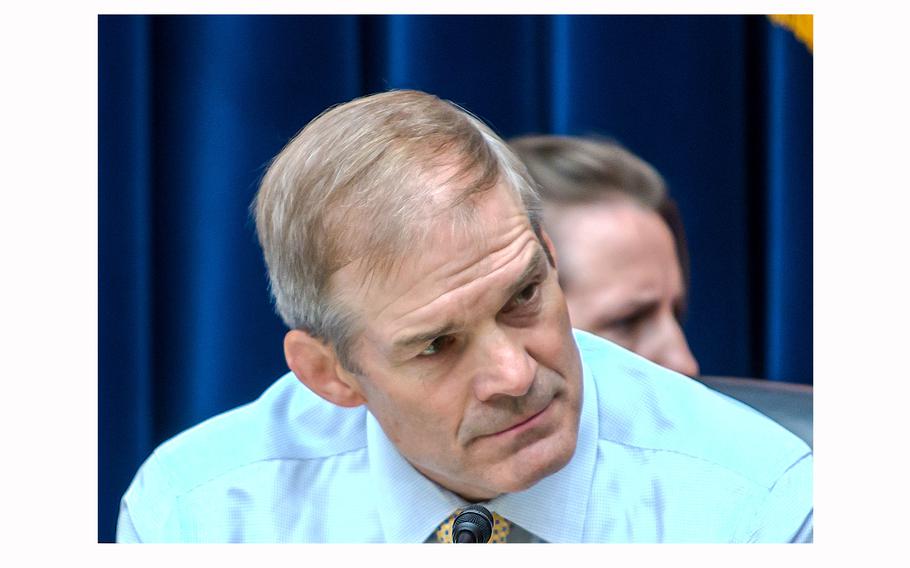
point(501, 528)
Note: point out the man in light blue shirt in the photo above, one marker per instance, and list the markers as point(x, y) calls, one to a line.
point(439, 369)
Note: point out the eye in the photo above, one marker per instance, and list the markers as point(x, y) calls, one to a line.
point(625, 324)
point(525, 297)
point(436, 346)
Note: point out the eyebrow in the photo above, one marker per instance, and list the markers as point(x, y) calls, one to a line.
point(530, 272)
point(630, 307)
point(445, 329)
point(638, 308)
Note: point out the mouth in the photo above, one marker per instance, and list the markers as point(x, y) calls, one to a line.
point(525, 423)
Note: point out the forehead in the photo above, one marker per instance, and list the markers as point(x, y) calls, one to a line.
point(618, 244)
point(457, 267)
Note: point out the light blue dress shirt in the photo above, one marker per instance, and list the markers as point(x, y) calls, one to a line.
point(660, 458)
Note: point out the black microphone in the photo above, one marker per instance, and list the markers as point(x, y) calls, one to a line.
point(473, 524)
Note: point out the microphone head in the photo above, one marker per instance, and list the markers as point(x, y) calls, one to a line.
point(473, 524)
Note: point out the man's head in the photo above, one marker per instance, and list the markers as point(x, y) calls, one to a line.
point(405, 253)
point(623, 259)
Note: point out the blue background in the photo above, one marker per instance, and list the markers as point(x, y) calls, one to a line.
point(192, 108)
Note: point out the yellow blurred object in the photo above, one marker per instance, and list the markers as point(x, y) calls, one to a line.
point(799, 24)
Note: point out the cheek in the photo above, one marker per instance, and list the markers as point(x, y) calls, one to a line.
point(583, 307)
point(647, 338)
point(577, 312)
point(553, 345)
point(557, 316)
point(420, 419)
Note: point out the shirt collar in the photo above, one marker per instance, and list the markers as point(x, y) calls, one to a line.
point(411, 506)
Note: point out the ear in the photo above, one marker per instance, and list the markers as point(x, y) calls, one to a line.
point(316, 366)
point(550, 248)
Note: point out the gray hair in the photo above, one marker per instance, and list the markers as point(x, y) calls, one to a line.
point(573, 170)
point(359, 183)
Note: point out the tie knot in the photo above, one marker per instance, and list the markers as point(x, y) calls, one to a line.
point(501, 529)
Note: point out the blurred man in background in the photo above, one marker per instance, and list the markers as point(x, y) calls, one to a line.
point(624, 265)
point(622, 253)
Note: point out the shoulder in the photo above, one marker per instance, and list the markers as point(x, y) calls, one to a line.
point(720, 471)
point(642, 405)
point(287, 432)
point(287, 422)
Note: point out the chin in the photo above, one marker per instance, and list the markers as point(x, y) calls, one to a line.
point(538, 461)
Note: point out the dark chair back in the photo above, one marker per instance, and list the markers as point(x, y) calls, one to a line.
point(788, 404)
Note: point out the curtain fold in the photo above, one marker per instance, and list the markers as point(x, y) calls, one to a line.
point(126, 371)
point(192, 108)
point(788, 232)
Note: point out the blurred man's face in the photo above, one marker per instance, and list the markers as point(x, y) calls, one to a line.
point(468, 360)
point(622, 279)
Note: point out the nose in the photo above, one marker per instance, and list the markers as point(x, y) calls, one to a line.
point(673, 352)
point(505, 367)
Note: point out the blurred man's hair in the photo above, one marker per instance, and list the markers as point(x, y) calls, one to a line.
point(361, 183)
point(573, 170)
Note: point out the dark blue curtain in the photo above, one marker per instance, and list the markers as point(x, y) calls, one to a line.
point(191, 109)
